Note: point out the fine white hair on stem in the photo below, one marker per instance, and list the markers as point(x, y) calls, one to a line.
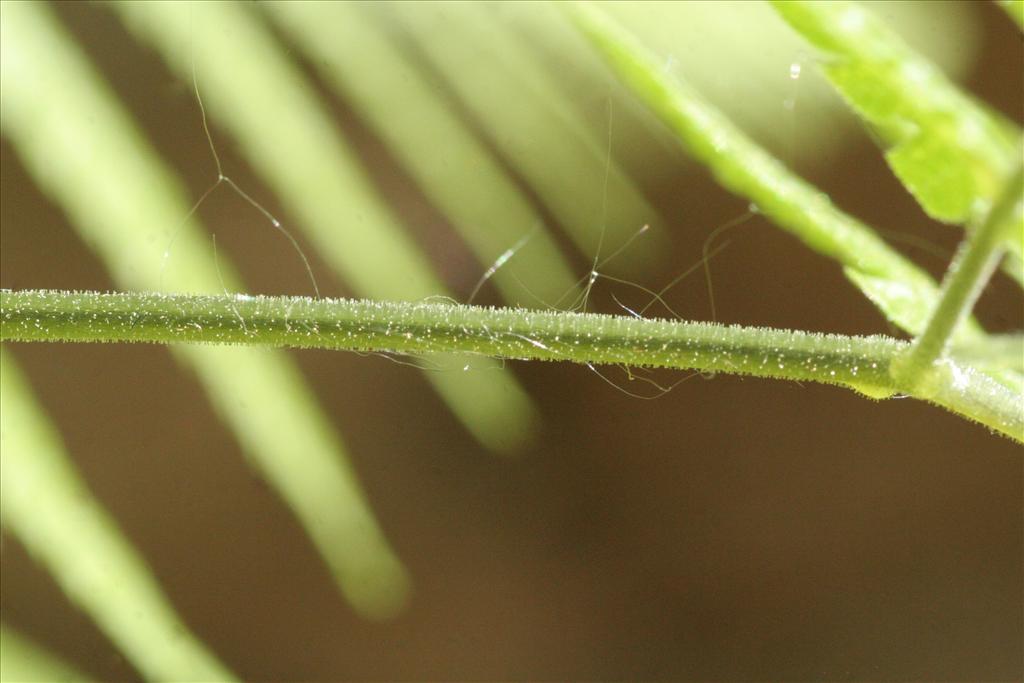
point(222, 178)
point(499, 262)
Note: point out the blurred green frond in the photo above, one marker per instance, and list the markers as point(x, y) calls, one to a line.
point(288, 136)
point(23, 660)
point(1015, 8)
point(505, 120)
point(423, 130)
point(85, 151)
point(47, 506)
point(527, 116)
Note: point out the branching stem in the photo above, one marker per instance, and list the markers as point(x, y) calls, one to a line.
point(861, 363)
point(977, 258)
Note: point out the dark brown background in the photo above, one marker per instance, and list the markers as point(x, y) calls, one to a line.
point(734, 529)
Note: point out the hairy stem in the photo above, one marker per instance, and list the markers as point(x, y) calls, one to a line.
point(977, 258)
point(861, 363)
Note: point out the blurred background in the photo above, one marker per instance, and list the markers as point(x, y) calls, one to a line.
point(550, 526)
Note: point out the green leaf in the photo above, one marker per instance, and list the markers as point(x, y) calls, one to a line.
point(951, 153)
point(900, 289)
point(935, 174)
point(901, 302)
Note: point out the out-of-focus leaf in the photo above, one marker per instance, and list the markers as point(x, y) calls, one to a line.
point(47, 506)
point(422, 130)
point(86, 153)
point(287, 135)
point(22, 661)
point(1015, 8)
point(525, 113)
point(794, 114)
point(997, 351)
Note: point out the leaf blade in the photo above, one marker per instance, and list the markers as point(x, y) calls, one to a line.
point(951, 153)
point(898, 287)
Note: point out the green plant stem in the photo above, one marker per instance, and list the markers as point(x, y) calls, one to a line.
point(977, 258)
point(861, 363)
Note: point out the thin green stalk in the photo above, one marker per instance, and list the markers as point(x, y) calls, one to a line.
point(968, 274)
point(861, 363)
